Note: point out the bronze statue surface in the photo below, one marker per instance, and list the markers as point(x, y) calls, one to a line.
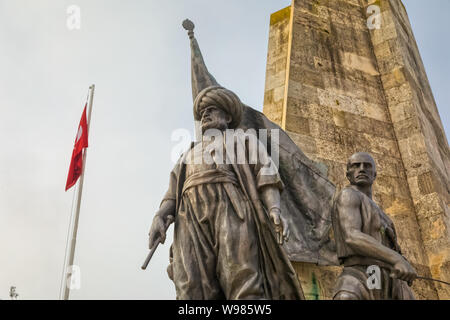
point(366, 239)
point(239, 224)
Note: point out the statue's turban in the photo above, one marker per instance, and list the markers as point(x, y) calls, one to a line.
point(222, 98)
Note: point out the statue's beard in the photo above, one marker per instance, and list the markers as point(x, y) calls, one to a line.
point(214, 124)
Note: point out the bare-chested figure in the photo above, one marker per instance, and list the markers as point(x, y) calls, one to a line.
point(365, 236)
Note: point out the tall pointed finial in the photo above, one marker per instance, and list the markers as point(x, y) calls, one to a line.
point(201, 78)
point(189, 26)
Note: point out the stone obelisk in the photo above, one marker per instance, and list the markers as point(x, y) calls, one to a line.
point(346, 76)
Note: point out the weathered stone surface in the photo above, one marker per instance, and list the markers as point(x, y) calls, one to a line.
point(277, 59)
point(315, 281)
point(338, 88)
point(421, 138)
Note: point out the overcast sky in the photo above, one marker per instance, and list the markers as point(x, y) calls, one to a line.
point(138, 55)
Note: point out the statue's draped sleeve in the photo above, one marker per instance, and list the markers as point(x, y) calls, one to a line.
point(265, 171)
point(174, 180)
point(171, 191)
point(267, 174)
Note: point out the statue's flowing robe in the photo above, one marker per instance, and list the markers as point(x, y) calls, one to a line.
point(305, 203)
point(224, 243)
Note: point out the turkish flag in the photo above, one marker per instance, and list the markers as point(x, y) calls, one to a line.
point(81, 142)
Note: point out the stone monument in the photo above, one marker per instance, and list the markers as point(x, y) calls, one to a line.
point(338, 83)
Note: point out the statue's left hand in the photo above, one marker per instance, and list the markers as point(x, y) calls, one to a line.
point(281, 225)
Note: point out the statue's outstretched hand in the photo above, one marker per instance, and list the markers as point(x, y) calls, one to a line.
point(158, 230)
point(404, 271)
point(280, 225)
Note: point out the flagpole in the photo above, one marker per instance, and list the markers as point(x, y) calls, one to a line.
point(80, 191)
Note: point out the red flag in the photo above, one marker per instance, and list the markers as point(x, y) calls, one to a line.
point(81, 142)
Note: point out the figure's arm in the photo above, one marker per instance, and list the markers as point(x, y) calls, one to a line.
point(349, 214)
point(166, 212)
point(166, 209)
point(270, 196)
point(349, 217)
point(269, 185)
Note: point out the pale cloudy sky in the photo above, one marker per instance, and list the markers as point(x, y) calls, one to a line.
point(138, 55)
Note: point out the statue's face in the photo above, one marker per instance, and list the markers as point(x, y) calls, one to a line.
point(361, 169)
point(213, 117)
